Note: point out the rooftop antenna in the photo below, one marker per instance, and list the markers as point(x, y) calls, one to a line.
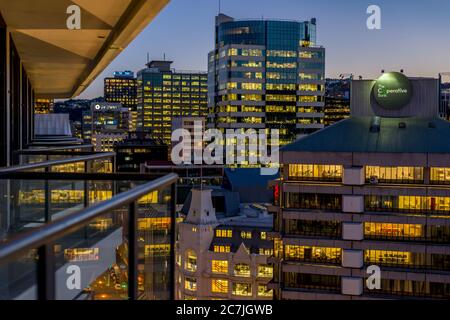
point(164, 55)
point(220, 6)
point(148, 57)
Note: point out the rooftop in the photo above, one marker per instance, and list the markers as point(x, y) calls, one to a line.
point(376, 134)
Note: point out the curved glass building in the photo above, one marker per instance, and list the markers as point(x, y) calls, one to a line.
point(266, 74)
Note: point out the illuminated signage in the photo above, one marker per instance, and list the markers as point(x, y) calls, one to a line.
point(392, 91)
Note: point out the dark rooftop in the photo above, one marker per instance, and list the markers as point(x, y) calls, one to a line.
point(375, 134)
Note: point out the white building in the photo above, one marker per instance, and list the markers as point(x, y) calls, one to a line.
point(222, 258)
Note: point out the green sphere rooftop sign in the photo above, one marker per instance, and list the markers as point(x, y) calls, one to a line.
point(392, 90)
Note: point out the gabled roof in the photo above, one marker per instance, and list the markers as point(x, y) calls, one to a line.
point(375, 134)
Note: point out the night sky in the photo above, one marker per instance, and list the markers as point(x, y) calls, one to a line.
point(415, 35)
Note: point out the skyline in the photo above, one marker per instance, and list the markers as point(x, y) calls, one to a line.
point(402, 27)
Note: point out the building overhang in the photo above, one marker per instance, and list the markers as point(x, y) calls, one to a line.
point(61, 63)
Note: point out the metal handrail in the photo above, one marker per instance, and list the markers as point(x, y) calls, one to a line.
point(46, 164)
point(52, 231)
point(43, 150)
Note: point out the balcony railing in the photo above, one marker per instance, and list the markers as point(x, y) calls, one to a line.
point(114, 231)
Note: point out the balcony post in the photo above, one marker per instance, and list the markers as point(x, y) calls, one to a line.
point(132, 252)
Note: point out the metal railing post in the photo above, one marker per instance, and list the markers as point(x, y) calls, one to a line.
point(45, 273)
point(173, 199)
point(132, 252)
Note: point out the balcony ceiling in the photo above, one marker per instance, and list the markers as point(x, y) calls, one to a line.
point(60, 62)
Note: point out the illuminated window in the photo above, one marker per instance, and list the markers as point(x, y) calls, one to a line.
point(242, 289)
point(81, 254)
point(394, 174)
point(393, 230)
point(190, 284)
point(156, 250)
point(222, 248)
point(265, 271)
point(440, 175)
point(219, 286)
point(263, 291)
point(263, 235)
point(242, 270)
point(313, 254)
point(388, 257)
point(219, 266)
point(315, 172)
point(224, 233)
point(265, 251)
point(162, 223)
point(246, 234)
point(190, 263)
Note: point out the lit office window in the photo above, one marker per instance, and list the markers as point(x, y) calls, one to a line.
point(313, 254)
point(219, 286)
point(190, 263)
point(190, 284)
point(242, 270)
point(246, 234)
point(440, 175)
point(242, 289)
point(222, 249)
point(224, 233)
point(219, 266)
point(315, 172)
point(393, 230)
point(394, 174)
point(263, 291)
point(265, 271)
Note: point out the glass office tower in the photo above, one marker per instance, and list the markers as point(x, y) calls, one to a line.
point(122, 88)
point(164, 94)
point(265, 75)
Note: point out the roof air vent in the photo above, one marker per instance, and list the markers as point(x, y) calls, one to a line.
point(402, 125)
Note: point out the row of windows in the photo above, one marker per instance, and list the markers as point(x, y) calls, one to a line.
point(379, 257)
point(372, 230)
point(240, 269)
point(387, 286)
point(239, 289)
point(315, 172)
point(372, 173)
point(408, 204)
point(228, 233)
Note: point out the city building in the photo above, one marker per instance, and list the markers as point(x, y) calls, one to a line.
point(105, 124)
point(122, 88)
point(266, 74)
point(195, 127)
point(133, 152)
point(43, 106)
point(164, 93)
point(337, 100)
point(371, 190)
point(221, 256)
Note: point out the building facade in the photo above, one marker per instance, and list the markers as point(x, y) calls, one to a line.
point(337, 101)
point(122, 88)
point(371, 190)
point(266, 75)
point(105, 124)
point(133, 152)
point(222, 258)
point(164, 93)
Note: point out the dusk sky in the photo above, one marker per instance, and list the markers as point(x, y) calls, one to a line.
point(415, 35)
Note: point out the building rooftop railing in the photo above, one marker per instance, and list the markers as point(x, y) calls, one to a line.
point(49, 164)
